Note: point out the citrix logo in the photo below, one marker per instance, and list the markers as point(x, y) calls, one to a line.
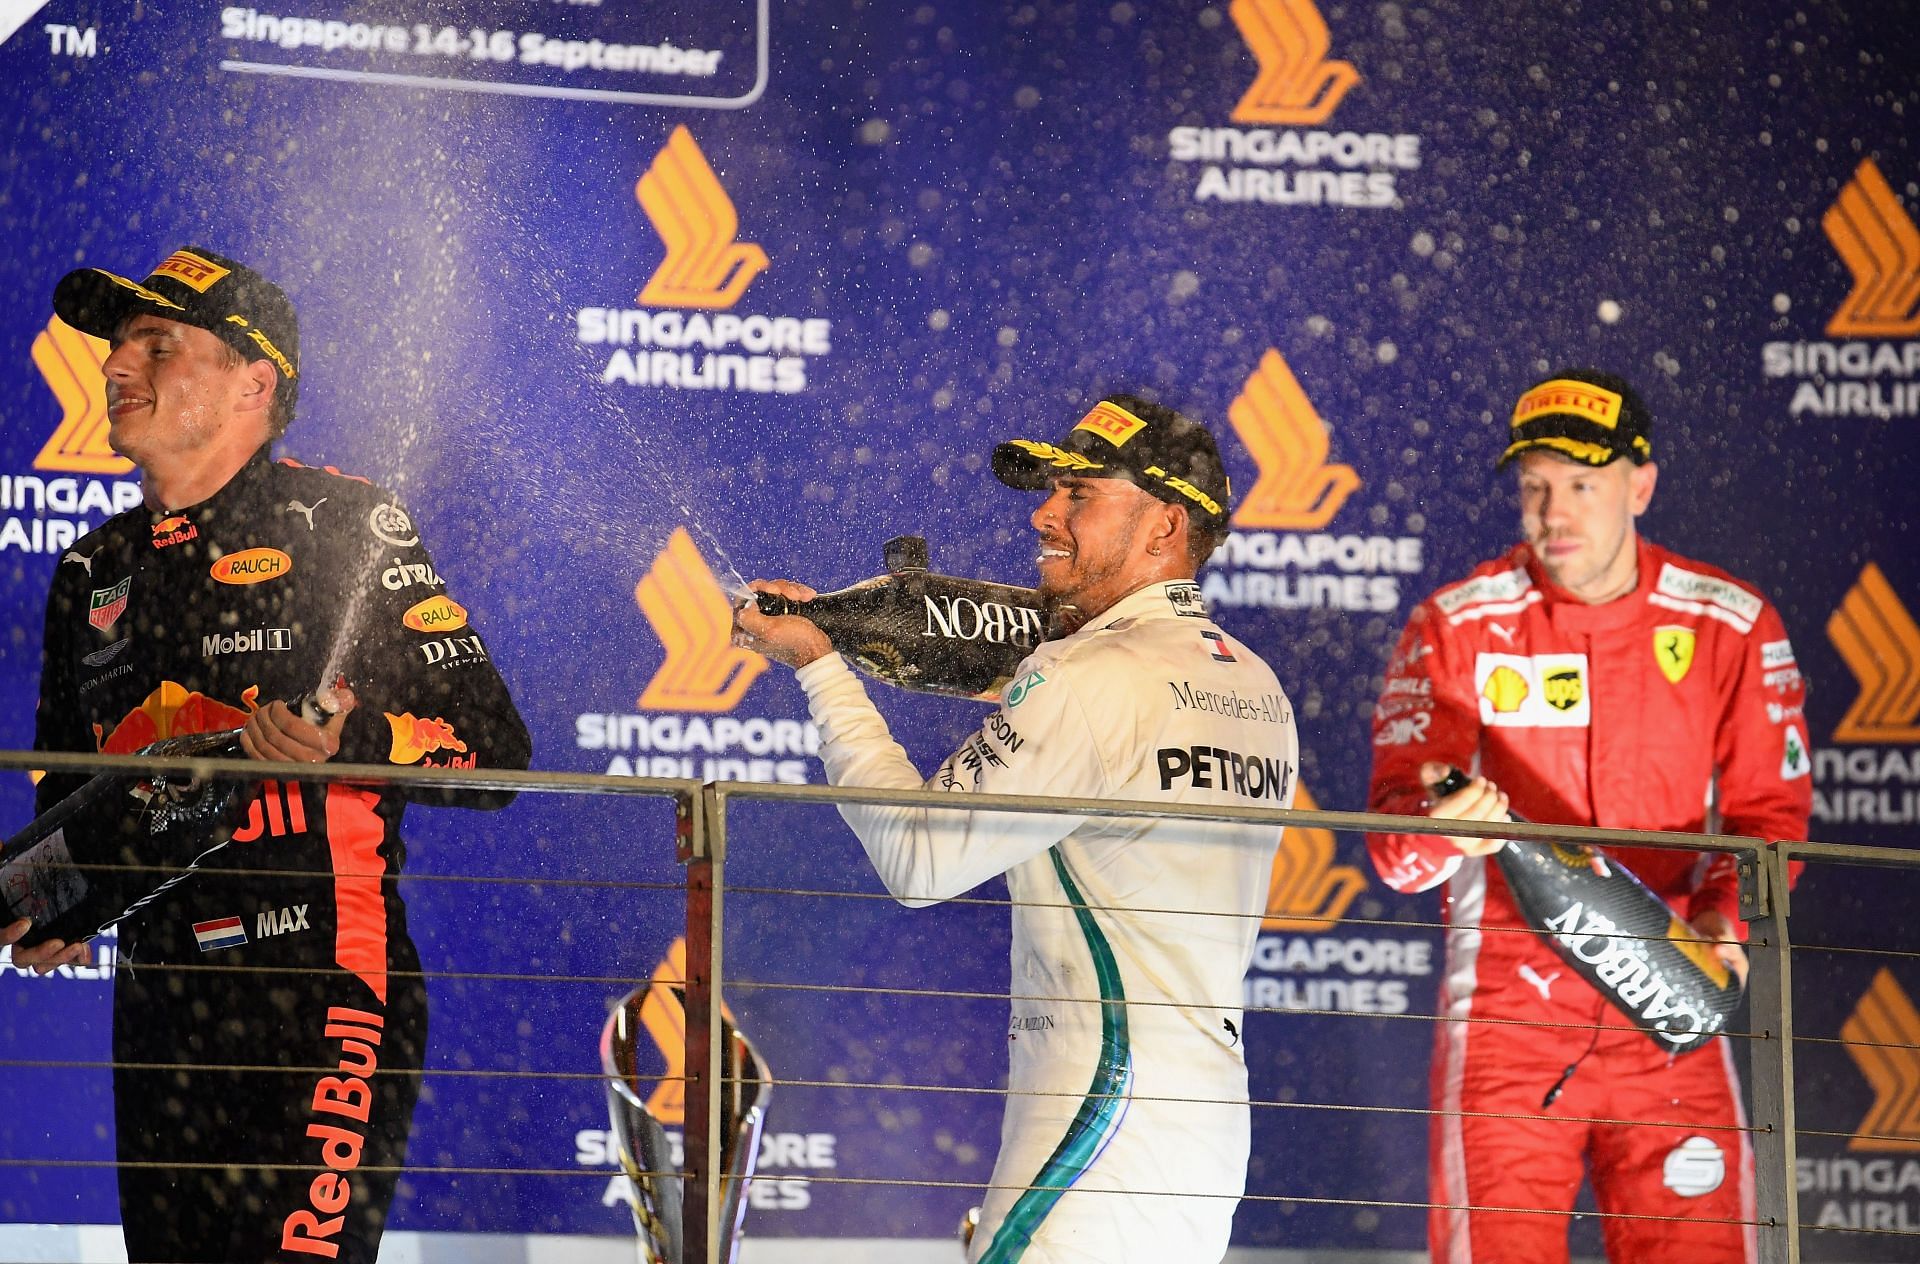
point(1878, 242)
point(705, 267)
point(1307, 891)
point(704, 670)
point(1877, 638)
point(1296, 85)
point(1298, 489)
point(71, 363)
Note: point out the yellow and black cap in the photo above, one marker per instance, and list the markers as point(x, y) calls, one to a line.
point(195, 287)
point(1588, 416)
point(1165, 454)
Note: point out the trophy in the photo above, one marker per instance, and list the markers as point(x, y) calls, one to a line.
point(645, 1152)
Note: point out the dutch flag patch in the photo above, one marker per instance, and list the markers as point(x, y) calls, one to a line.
point(222, 932)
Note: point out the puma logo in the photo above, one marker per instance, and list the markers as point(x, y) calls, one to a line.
point(85, 559)
point(294, 506)
point(1533, 979)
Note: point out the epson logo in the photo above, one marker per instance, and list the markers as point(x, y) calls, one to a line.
point(964, 619)
point(253, 642)
point(407, 574)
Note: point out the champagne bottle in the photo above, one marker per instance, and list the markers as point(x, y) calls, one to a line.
point(122, 840)
point(1619, 936)
point(926, 632)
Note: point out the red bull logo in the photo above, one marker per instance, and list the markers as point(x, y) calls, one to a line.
point(251, 566)
point(173, 529)
point(172, 710)
point(436, 614)
point(416, 737)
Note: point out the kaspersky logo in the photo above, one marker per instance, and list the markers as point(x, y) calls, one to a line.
point(704, 670)
point(1298, 489)
point(1872, 373)
point(46, 512)
point(671, 340)
point(1297, 85)
point(705, 266)
point(1264, 563)
point(1882, 1035)
point(1308, 892)
point(1881, 645)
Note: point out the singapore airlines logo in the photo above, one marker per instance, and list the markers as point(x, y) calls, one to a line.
point(1308, 892)
point(1881, 645)
point(704, 670)
point(705, 267)
point(1296, 85)
point(1297, 488)
point(1879, 244)
point(71, 363)
point(1883, 1037)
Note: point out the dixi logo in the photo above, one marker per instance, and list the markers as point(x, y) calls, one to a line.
point(1296, 83)
point(1881, 645)
point(704, 670)
point(1297, 488)
point(71, 362)
point(705, 266)
point(1307, 891)
point(1883, 1037)
point(1878, 242)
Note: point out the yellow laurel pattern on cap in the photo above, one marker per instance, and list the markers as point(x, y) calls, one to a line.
point(1564, 395)
point(1578, 449)
point(1059, 458)
point(141, 290)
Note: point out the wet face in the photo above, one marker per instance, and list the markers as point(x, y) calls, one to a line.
point(1095, 534)
point(174, 389)
point(1578, 520)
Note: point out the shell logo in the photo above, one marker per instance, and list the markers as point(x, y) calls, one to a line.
point(1505, 689)
point(251, 566)
point(436, 614)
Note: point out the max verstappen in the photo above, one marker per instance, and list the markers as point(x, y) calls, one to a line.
point(268, 1026)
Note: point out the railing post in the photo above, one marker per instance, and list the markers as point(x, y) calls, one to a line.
point(1763, 903)
point(703, 847)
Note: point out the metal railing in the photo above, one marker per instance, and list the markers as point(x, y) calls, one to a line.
point(701, 815)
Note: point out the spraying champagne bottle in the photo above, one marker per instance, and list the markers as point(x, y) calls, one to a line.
point(926, 632)
point(123, 840)
point(1618, 936)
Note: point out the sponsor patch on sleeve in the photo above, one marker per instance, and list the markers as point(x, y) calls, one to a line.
point(1776, 654)
point(1503, 587)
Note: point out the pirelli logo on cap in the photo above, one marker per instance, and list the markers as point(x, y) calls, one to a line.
point(1111, 422)
point(1562, 395)
point(192, 271)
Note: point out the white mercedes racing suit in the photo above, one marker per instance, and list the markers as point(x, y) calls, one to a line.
point(1130, 935)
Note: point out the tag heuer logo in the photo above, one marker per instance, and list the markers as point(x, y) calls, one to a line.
point(108, 604)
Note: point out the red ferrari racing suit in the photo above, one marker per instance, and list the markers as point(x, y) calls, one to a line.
point(1674, 707)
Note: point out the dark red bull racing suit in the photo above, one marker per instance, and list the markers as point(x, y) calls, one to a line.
point(269, 1015)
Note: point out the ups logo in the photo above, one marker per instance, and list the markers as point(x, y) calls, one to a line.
point(1880, 644)
point(705, 266)
point(1297, 489)
point(1563, 689)
point(1296, 85)
point(1882, 1035)
point(704, 670)
point(72, 364)
point(1307, 892)
point(1877, 240)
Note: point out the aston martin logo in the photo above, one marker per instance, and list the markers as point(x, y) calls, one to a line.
point(704, 670)
point(71, 362)
point(1881, 645)
point(1297, 489)
point(1296, 85)
point(1307, 891)
point(705, 266)
point(1878, 242)
point(1883, 1036)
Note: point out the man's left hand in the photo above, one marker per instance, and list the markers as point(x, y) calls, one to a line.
point(276, 732)
point(1725, 934)
point(46, 956)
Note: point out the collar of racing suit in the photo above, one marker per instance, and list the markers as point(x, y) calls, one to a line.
point(232, 496)
point(1170, 599)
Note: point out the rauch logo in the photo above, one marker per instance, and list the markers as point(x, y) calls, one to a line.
point(1296, 85)
point(1264, 563)
point(671, 340)
point(46, 512)
point(1872, 373)
point(1871, 775)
